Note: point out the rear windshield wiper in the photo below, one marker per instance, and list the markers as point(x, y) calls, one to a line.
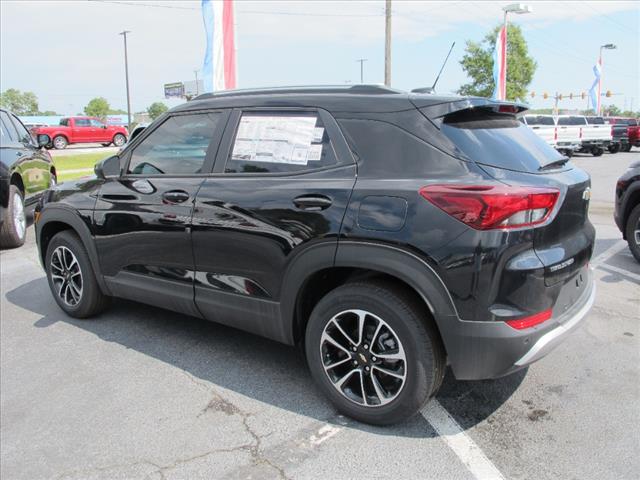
point(555, 164)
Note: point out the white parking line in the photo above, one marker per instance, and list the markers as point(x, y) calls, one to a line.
point(462, 445)
point(608, 253)
point(621, 271)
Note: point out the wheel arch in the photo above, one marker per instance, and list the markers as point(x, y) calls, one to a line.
point(55, 220)
point(16, 179)
point(632, 199)
point(358, 260)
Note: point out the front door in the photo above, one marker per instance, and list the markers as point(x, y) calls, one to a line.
point(99, 131)
point(279, 187)
point(142, 219)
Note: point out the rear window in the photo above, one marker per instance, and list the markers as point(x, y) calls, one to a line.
point(595, 120)
point(540, 120)
point(632, 122)
point(498, 140)
point(571, 121)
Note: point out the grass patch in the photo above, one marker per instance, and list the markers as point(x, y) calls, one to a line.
point(70, 167)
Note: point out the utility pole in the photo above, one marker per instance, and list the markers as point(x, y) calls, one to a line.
point(197, 88)
point(126, 74)
point(387, 43)
point(361, 60)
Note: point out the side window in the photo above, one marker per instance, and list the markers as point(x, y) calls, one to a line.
point(96, 123)
point(8, 129)
point(178, 146)
point(23, 134)
point(82, 122)
point(64, 122)
point(280, 142)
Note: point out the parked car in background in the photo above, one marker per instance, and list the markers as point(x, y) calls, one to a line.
point(545, 127)
point(627, 208)
point(619, 135)
point(632, 130)
point(84, 130)
point(26, 170)
point(594, 137)
point(389, 234)
point(137, 130)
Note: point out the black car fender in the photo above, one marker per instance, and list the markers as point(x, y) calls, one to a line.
point(72, 218)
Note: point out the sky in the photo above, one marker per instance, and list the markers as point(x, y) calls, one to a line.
point(68, 52)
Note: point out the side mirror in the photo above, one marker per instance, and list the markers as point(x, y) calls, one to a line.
point(43, 140)
point(109, 167)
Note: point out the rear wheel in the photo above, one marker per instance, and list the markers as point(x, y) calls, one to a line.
point(119, 140)
point(60, 143)
point(632, 232)
point(71, 278)
point(597, 151)
point(627, 148)
point(373, 352)
point(615, 148)
point(14, 227)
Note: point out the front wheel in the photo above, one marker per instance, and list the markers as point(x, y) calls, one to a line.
point(119, 140)
point(374, 352)
point(71, 278)
point(615, 148)
point(627, 148)
point(632, 232)
point(597, 151)
point(14, 227)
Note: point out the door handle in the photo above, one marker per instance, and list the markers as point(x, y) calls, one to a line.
point(312, 202)
point(175, 196)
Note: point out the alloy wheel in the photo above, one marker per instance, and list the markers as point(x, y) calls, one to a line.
point(66, 275)
point(636, 233)
point(363, 358)
point(19, 219)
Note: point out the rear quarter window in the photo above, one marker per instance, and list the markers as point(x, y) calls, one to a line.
point(497, 140)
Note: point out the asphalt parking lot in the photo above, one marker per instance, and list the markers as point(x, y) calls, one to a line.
point(143, 393)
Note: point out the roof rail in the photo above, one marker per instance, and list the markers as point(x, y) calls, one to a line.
point(310, 89)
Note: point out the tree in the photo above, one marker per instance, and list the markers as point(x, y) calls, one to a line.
point(478, 64)
point(116, 111)
point(612, 111)
point(97, 107)
point(19, 103)
point(156, 109)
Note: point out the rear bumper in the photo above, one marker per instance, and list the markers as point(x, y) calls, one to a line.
point(483, 350)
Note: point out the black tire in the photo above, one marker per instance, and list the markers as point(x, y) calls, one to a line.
point(615, 148)
point(627, 148)
point(119, 139)
point(597, 151)
point(91, 300)
point(568, 153)
point(60, 142)
point(106, 144)
point(425, 357)
point(14, 227)
point(633, 225)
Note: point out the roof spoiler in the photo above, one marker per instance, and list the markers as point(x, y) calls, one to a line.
point(439, 110)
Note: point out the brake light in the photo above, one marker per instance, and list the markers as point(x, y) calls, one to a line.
point(530, 321)
point(507, 109)
point(555, 134)
point(487, 207)
point(580, 133)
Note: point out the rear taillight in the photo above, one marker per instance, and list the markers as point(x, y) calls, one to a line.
point(530, 321)
point(555, 134)
point(487, 207)
point(581, 134)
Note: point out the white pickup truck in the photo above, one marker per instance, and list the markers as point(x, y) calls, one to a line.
point(593, 138)
point(545, 127)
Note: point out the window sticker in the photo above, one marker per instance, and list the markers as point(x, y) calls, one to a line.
point(318, 133)
point(274, 139)
point(315, 153)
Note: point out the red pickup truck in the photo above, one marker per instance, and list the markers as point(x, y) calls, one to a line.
point(633, 130)
point(83, 130)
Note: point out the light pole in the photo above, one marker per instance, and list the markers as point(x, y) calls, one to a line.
point(126, 75)
point(362, 60)
point(387, 43)
point(518, 8)
point(606, 46)
point(197, 88)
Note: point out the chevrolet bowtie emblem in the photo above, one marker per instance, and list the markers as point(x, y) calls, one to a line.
point(586, 195)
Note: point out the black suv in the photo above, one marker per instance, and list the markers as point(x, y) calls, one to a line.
point(627, 209)
point(389, 233)
point(26, 170)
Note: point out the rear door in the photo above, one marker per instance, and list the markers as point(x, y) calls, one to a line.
point(142, 219)
point(281, 184)
point(81, 130)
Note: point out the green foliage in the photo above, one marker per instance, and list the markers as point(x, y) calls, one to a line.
point(478, 64)
point(156, 109)
point(49, 113)
point(97, 107)
point(116, 111)
point(19, 103)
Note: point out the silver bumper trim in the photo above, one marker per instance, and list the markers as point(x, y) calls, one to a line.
point(550, 339)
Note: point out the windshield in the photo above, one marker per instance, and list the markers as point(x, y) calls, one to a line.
point(498, 140)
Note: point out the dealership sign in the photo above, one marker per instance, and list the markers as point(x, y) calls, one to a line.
point(172, 90)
